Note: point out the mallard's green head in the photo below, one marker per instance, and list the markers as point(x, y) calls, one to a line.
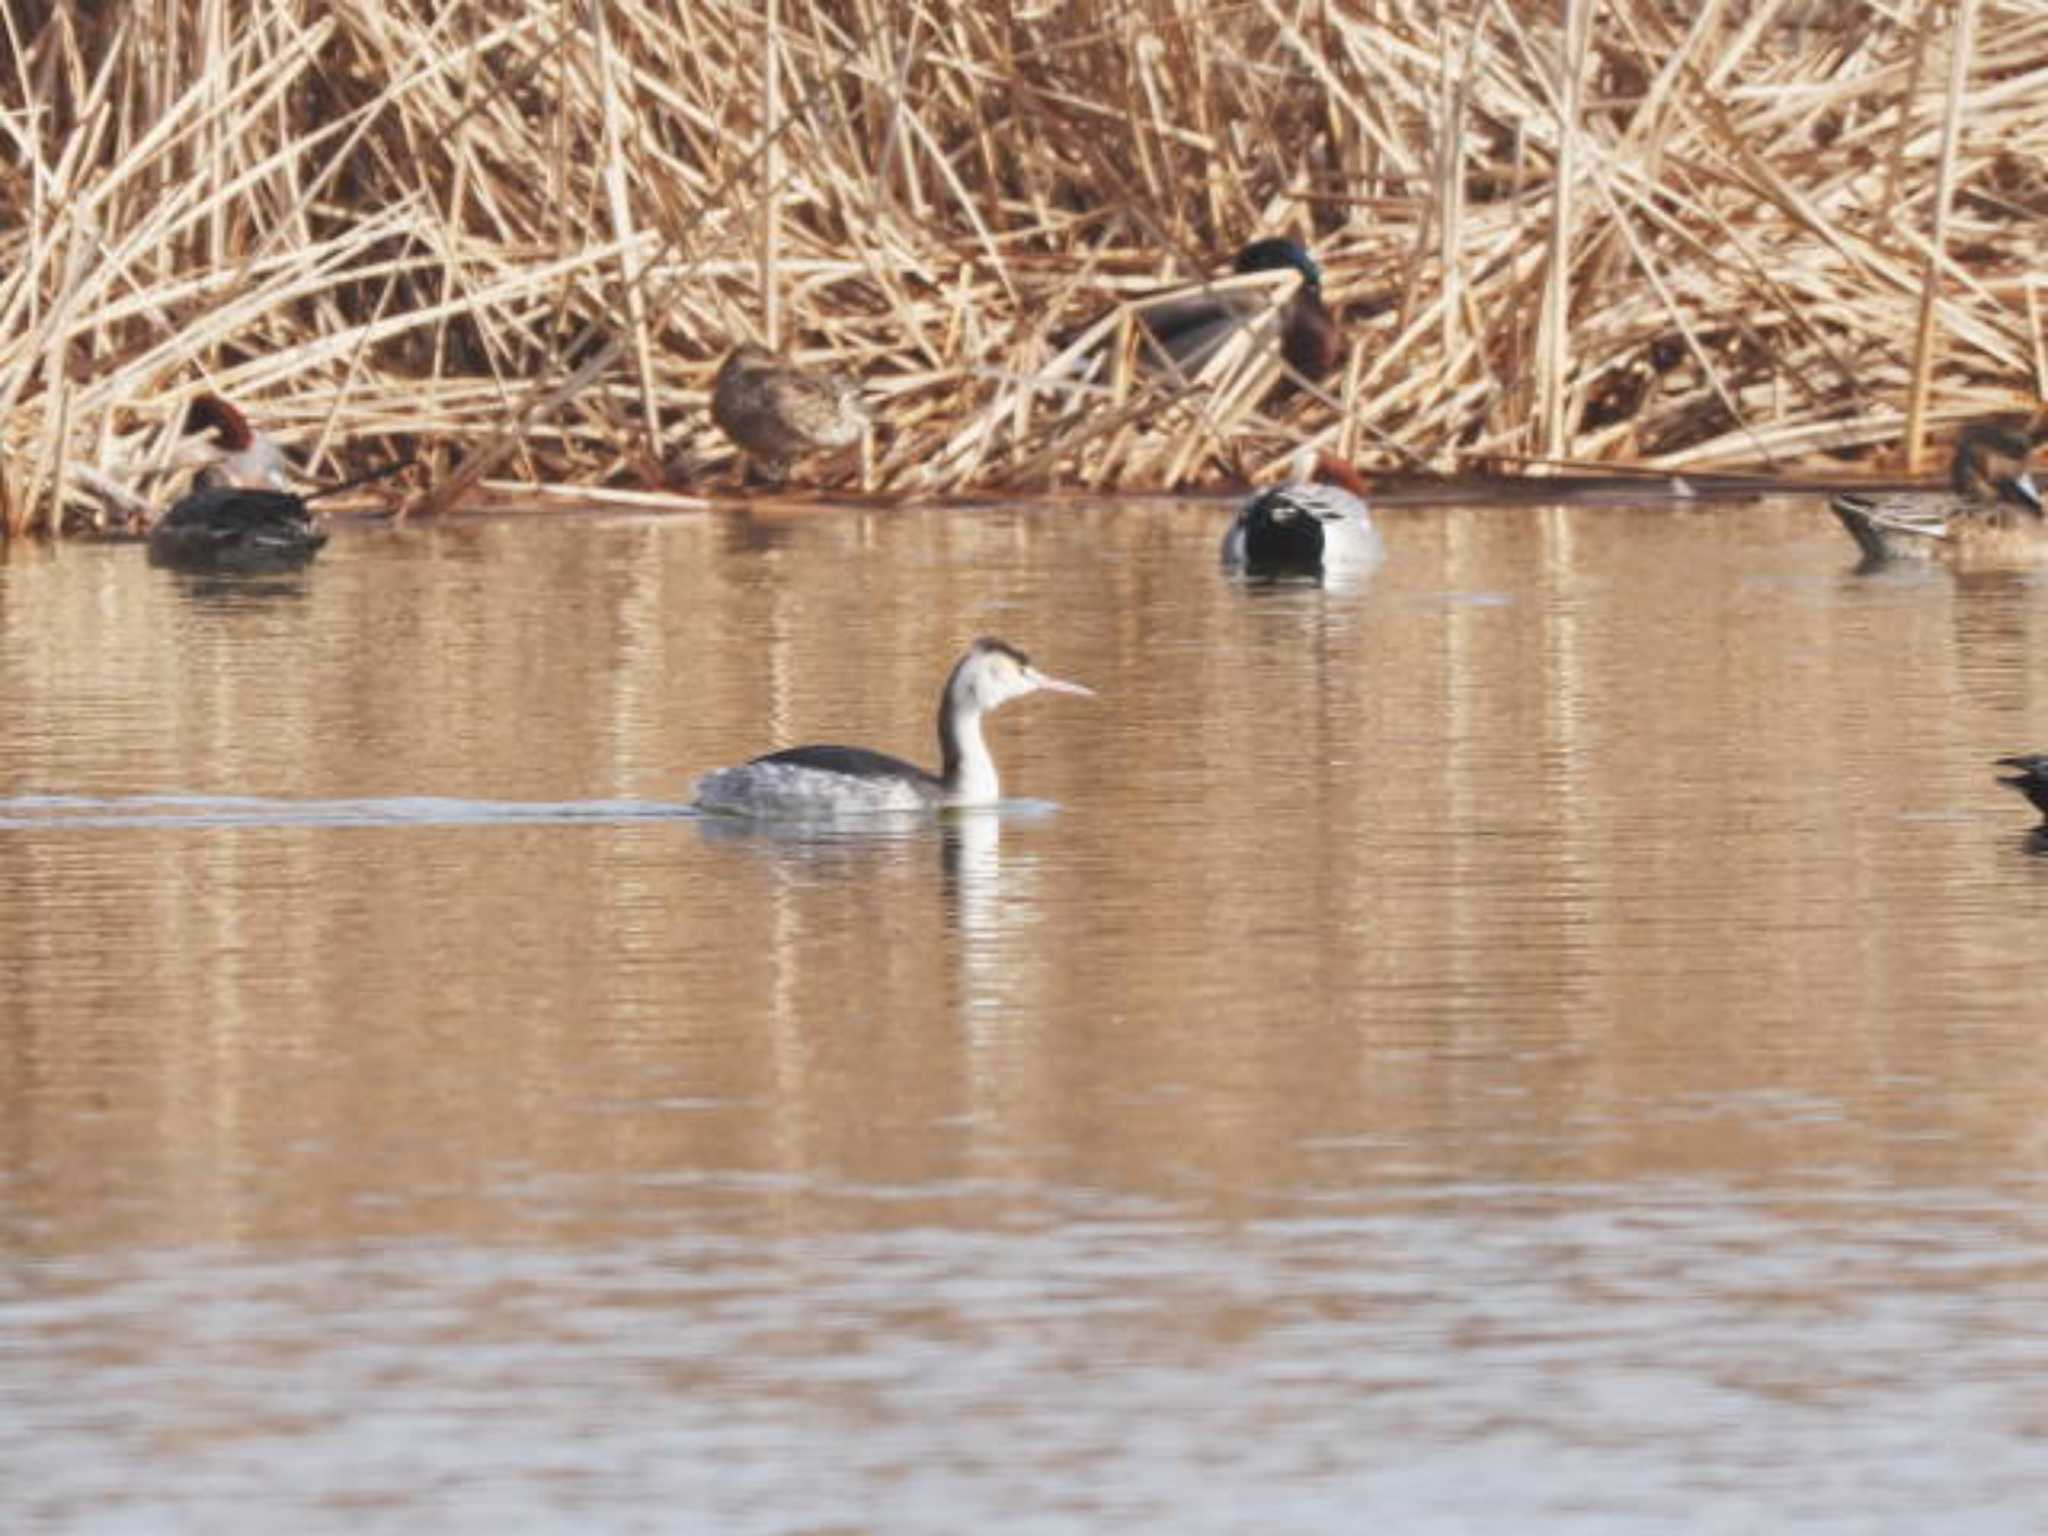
point(1272, 255)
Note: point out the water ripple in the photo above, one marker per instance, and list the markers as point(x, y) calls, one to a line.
point(45, 813)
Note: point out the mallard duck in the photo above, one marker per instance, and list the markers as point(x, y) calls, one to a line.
point(238, 514)
point(1314, 522)
point(776, 411)
point(1183, 330)
point(2030, 778)
point(1992, 504)
point(808, 783)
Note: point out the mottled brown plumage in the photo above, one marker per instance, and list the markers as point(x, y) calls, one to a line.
point(1992, 508)
point(777, 412)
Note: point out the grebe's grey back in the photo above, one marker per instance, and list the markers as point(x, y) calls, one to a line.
point(826, 781)
point(1315, 521)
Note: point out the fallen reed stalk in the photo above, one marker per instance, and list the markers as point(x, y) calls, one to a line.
point(1684, 235)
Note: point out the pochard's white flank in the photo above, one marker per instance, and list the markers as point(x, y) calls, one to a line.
point(248, 458)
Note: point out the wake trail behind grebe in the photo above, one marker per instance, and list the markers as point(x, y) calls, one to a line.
point(44, 812)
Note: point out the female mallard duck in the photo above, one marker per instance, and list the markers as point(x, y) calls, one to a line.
point(238, 515)
point(2030, 778)
point(1992, 505)
point(1313, 523)
point(776, 411)
point(1181, 331)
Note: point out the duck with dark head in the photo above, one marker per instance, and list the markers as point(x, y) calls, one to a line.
point(1182, 331)
point(1316, 522)
point(239, 514)
point(2030, 778)
point(1992, 507)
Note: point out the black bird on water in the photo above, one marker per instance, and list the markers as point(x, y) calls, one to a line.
point(2029, 777)
point(238, 515)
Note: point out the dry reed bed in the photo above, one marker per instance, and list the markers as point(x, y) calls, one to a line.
point(515, 236)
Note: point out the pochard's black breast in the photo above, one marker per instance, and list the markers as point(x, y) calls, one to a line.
point(1280, 534)
point(224, 527)
point(231, 509)
point(854, 762)
point(2031, 779)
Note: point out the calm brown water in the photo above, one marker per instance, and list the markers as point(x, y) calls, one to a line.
point(1550, 1039)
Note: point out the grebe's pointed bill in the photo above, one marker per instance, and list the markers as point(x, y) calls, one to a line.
point(1052, 684)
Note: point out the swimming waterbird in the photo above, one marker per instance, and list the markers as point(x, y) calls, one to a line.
point(826, 781)
point(239, 514)
point(1992, 505)
point(2030, 778)
point(1313, 523)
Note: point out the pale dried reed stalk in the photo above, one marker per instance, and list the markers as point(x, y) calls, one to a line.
point(518, 238)
point(1944, 195)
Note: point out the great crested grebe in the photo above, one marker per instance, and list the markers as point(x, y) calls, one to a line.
point(1992, 505)
point(238, 513)
point(1314, 522)
point(777, 412)
point(1183, 332)
point(827, 781)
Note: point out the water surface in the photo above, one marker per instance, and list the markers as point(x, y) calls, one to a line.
point(1549, 1034)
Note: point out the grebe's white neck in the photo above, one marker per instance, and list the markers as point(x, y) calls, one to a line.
point(989, 675)
point(967, 774)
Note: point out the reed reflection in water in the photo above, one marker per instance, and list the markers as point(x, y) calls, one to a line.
point(1551, 1027)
